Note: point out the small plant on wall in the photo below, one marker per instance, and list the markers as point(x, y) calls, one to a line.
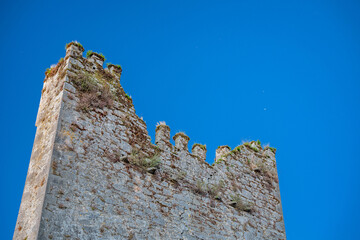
point(239, 204)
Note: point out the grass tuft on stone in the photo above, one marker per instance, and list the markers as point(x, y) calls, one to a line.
point(54, 68)
point(92, 93)
point(150, 164)
point(89, 53)
point(215, 189)
point(76, 43)
point(239, 204)
point(271, 149)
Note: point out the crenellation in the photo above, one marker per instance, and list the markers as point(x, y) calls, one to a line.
point(94, 173)
point(97, 59)
point(115, 70)
point(181, 142)
point(221, 151)
point(74, 49)
point(199, 150)
point(162, 137)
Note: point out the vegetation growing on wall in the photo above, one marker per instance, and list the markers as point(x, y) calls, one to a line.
point(114, 65)
point(252, 145)
point(149, 164)
point(271, 149)
point(136, 158)
point(54, 69)
point(76, 44)
point(239, 204)
point(92, 94)
point(202, 146)
point(89, 53)
point(215, 189)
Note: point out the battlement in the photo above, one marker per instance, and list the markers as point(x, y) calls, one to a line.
point(162, 140)
point(94, 172)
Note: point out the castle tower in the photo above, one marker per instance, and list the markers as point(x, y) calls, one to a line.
point(94, 173)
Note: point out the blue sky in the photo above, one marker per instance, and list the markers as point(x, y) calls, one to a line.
point(284, 72)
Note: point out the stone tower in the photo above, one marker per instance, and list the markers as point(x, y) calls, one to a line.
point(94, 173)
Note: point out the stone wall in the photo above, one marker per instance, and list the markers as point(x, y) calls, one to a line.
point(36, 181)
point(104, 179)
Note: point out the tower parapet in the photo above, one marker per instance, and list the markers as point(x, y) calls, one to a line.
point(162, 136)
point(74, 49)
point(181, 142)
point(199, 150)
point(115, 70)
point(96, 58)
point(221, 151)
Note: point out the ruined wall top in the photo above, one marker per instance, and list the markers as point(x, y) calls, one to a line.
point(77, 65)
point(100, 168)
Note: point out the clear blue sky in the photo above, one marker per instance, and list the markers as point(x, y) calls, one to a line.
point(284, 72)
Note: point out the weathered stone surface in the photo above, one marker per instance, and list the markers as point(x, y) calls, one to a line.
point(90, 174)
